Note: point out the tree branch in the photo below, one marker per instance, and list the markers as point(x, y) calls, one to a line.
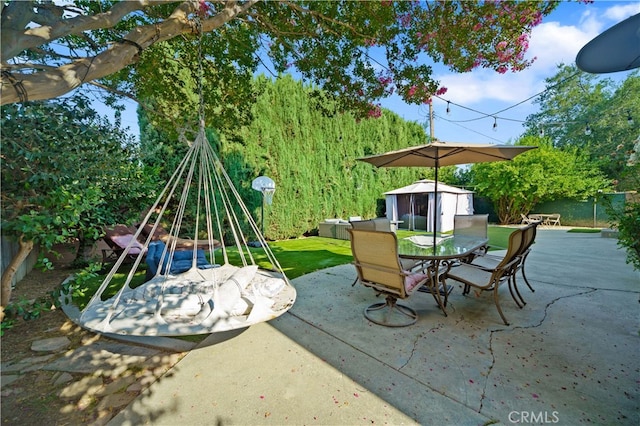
point(148, 108)
point(53, 83)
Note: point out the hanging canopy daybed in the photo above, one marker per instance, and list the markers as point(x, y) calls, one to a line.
point(196, 291)
point(200, 290)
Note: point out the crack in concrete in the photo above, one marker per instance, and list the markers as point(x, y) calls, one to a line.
point(415, 343)
point(491, 334)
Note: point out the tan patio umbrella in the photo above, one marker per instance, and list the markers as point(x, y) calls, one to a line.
point(437, 154)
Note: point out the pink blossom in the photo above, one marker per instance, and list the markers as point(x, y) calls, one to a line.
point(441, 91)
point(523, 41)
point(501, 69)
point(428, 36)
point(375, 111)
point(203, 8)
point(504, 56)
point(501, 45)
point(385, 81)
point(537, 18)
point(412, 91)
point(477, 26)
point(405, 20)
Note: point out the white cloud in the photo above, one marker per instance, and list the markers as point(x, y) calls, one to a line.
point(472, 88)
point(552, 43)
point(621, 12)
point(591, 22)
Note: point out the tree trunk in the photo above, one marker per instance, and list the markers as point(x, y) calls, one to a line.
point(7, 276)
point(80, 259)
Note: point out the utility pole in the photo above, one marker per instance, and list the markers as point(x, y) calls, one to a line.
point(431, 132)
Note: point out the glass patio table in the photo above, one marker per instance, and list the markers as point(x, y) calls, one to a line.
point(438, 260)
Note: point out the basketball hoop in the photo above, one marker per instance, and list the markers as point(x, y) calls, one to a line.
point(267, 187)
point(268, 195)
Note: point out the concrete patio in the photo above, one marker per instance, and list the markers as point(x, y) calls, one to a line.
point(569, 356)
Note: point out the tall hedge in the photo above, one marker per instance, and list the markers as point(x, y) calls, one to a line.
point(310, 152)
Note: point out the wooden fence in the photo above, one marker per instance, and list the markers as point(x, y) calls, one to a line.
point(8, 248)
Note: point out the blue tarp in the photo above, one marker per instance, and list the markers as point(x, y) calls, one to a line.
point(182, 260)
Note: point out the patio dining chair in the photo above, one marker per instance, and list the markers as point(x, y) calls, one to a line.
point(378, 224)
point(472, 225)
point(382, 224)
point(488, 262)
point(485, 279)
point(375, 256)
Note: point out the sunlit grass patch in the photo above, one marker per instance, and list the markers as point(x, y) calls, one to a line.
point(585, 230)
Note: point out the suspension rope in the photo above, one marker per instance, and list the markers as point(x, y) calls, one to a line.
point(198, 23)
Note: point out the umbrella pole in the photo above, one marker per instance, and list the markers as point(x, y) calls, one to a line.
point(435, 204)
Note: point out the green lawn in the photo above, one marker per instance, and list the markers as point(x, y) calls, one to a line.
point(302, 255)
point(305, 255)
point(585, 230)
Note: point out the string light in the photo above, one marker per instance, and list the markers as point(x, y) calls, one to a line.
point(587, 130)
point(495, 114)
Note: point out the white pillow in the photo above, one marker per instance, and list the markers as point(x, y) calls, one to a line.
point(181, 304)
point(228, 297)
point(243, 276)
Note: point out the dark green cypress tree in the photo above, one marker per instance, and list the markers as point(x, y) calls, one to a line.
point(299, 140)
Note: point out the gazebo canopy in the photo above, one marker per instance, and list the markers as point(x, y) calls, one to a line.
point(426, 185)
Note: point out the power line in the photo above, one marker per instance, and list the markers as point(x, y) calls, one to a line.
point(495, 114)
point(467, 128)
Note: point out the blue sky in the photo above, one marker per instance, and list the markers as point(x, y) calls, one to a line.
point(557, 40)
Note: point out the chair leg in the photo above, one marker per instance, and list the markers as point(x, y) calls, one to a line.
point(513, 296)
point(405, 315)
point(497, 302)
point(526, 281)
point(514, 287)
